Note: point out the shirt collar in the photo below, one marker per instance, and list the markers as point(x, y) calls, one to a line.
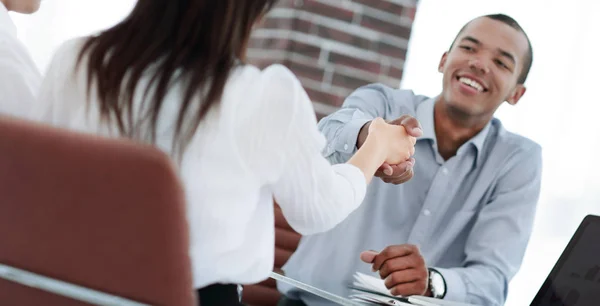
point(424, 114)
point(6, 23)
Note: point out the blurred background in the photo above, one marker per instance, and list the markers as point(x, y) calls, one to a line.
point(335, 46)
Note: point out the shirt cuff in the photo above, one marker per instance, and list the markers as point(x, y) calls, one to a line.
point(455, 287)
point(356, 178)
point(346, 141)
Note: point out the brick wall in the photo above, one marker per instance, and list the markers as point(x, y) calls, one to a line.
point(336, 46)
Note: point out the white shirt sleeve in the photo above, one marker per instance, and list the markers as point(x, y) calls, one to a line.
point(283, 145)
point(16, 96)
point(58, 89)
point(19, 80)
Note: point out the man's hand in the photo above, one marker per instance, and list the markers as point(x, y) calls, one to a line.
point(403, 172)
point(402, 267)
point(396, 174)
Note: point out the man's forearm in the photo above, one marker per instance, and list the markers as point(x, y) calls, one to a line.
point(341, 130)
point(362, 135)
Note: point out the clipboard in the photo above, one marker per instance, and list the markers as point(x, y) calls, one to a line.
point(355, 300)
point(364, 296)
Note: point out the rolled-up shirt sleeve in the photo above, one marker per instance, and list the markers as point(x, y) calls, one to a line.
point(342, 127)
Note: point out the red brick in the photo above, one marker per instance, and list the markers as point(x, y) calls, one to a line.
point(410, 12)
point(382, 5)
point(353, 40)
point(323, 9)
point(391, 50)
point(305, 49)
point(325, 97)
point(278, 23)
point(395, 73)
point(255, 43)
point(304, 26)
point(385, 27)
point(270, 43)
point(336, 58)
point(343, 84)
point(306, 71)
point(348, 82)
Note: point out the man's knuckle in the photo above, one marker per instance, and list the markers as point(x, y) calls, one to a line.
point(396, 277)
point(386, 251)
point(394, 265)
point(383, 272)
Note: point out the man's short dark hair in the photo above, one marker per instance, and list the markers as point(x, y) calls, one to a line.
point(515, 25)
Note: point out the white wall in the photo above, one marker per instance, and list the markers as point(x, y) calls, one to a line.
point(60, 20)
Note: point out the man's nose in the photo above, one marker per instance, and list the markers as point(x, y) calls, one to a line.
point(479, 65)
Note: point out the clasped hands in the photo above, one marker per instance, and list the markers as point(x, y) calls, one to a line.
point(398, 166)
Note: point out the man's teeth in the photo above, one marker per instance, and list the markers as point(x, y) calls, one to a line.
point(471, 83)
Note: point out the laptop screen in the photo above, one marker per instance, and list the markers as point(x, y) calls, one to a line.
point(575, 279)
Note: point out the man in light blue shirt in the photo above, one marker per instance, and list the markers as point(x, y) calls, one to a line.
point(459, 228)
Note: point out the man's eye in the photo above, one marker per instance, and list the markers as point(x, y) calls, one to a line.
point(501, 64)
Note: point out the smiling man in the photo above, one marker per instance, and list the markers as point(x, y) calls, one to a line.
point(457, 223)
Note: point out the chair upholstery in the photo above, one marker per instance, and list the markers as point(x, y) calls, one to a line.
point(105, 214)
point(286, 242)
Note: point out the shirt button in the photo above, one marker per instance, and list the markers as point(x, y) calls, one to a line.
point(345, 146)
point(445, 170)
point(426, 212)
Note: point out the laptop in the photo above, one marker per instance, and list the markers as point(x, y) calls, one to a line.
point(575, 278)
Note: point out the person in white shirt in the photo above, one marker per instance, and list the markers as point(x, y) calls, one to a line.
point(173, 73)
point(20, 79)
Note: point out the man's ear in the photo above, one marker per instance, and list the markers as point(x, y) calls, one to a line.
point(442, 62)
point(516, 94)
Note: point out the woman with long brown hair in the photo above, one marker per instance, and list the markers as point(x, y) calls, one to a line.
point(173, 74)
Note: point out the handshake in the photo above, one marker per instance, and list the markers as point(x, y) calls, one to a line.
point(395, 140)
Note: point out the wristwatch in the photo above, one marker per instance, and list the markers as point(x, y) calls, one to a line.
point(437, 284)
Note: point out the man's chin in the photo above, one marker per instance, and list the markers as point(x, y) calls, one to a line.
point(463, 108)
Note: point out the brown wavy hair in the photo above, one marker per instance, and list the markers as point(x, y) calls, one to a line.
point(198, 42)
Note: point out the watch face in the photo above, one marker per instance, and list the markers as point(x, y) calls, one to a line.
point(438, 287)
